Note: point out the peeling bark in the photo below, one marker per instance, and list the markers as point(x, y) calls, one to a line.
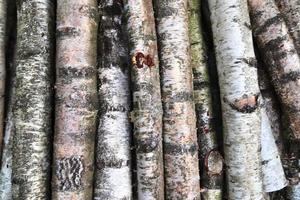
point(240, 98)
point(147, 107)
point(290, 10)
point(76, 99)
point(3, 8)
point(180, 136)
point(33, 100)
point(280, 57)
point(211, 161)
point(113, 160)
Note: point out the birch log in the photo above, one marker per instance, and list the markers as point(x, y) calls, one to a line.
point(147, 107)
point(180, 137)
point(113, 160)
point(272, 170)
point(6, 162)
point(290, 9)
point(240, 98)
point(293, 171)
point(33, 105)
point(76, 99)
point(272, 108)
point(280, 57)
point(3, 8)
point(211, 161)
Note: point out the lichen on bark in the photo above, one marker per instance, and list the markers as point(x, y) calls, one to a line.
point(32, 107)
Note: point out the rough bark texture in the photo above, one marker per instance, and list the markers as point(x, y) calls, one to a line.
point(113, 160)
point(3, 9)
point(180, 136)
point(147, 107)
point(211, 161)
point(293, 171)
point(280, 57)
point(76, 99)
point(33, 105)
point(290, 9)
point(240, 98)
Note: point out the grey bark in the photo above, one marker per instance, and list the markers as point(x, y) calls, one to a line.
point(240, 98)
point(211, 161)
point(33, 100)
point(280, 57)
point(180, 136)
point(3, 8)
point(290, 9)
point(113, 160)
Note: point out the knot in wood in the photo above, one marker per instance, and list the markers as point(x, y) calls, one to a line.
point(139, 60)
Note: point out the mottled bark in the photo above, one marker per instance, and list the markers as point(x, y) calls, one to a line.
point(113, 160)
point(180, 136)
point(2, 66)
point(293, 171)
point(33, 105)
point(240, 98)
point(211, 161)
point(280, 57)
point(290, 9)
point(76, 99)
point(147, 107)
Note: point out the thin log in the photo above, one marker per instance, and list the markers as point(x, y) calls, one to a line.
point(180, 136)
point(76, 99)
point(240, 98)
point(113, 160)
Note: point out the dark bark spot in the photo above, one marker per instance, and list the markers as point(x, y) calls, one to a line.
point(69, 172)
point(177, 149)
point(147, 145)
point(245, 104)
point(288, 77)
point(267, 24)
point(67, 31)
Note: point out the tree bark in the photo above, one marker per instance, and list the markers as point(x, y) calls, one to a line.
point(280, 57)
point(290, 9)
point(240, 98)
point(180, 136)
point(33, 105)
point(211, 161)
point(3, 8)
point(272, 108)
point(147, 107)
point(272, 170)
point(76, 99)
point(113, 160)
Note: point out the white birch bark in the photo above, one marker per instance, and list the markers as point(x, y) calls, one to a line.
point(180, 137)
point(240, 98)
point(113, 160)
point(147, 108)
point(273, 173)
